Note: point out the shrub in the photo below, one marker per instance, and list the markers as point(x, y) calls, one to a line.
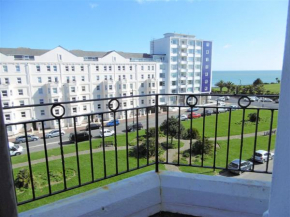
point(191, 134)
point(198, 147)
point(172, 145)
point(253, 117)
point(151, 132)
point(170, 127)
point(143, 149)
point(23, 179)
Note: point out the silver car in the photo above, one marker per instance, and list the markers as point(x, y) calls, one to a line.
point(245, 166)
point(54, 133)
point(182, 117)
point(22, 139)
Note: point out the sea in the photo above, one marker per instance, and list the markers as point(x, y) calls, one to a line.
point(246, 77)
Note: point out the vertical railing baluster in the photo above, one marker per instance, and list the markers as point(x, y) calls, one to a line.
point(256, 133)
point(104, 149)
point(147, 137)
point(62, 155)
point(138, 160)
point(229, 135)
point(167, 135)
point(215, 138)
point(242, 138)
point(116, 149)
point(77, 151)
point(29, 162)
point(203, 137)
point(178, 150)
point(127, 148)
point(91, 148)
point(46, 157)
point(156, 134)
point(190, 142)
point(270, 137)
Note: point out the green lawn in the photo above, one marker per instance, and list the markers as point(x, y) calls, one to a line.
point(234, 153)
point(39, 172)
point(275, 88)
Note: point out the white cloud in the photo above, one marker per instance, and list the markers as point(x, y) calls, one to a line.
point(93, 5)
point(227, 46)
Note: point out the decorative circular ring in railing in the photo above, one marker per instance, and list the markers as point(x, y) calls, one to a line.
point(110, 103)
point(248, 100)
point(57, 114)
point(187, 101)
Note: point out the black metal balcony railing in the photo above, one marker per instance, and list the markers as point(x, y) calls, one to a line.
point(108, 171)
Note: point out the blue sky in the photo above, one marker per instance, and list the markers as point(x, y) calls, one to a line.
point(247, 35)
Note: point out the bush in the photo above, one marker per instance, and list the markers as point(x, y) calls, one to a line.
point(191, 134)
point(198, 147)
point(151, 132)
point(172, 145)
point(23, 179)
point(143, 149)
point(170, 127)
point(253, 117)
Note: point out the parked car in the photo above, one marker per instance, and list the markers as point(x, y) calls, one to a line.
point(227, 97)
point(206, 112)
point(262, 156)
point(173, 109)
point(277, 101)
point(234, 107)
point(54, 133)
point(193, 109)
point(267, 100)
point(93, 126)
point(193, 115)
point(182, 117)
point(252, 99)
point(245, 166)
point(220, 110)
point(15, 149)
point(81, 136)
point(221, 104)
point(221, 98)
point(112, 123)
point(134, 127)
point(106, 133)
point(22, 139)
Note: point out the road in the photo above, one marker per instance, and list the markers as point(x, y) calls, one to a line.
point(54, 142)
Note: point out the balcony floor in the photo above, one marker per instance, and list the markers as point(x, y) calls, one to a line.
point(169, 214)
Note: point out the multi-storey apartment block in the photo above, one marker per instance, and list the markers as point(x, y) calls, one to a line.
point(177, 64)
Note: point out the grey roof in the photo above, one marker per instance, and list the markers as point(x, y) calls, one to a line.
point(78, 53)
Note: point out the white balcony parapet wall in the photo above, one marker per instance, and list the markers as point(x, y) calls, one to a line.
point(151, 192)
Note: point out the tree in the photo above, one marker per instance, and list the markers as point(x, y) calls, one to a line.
point(259, 89)
point(199, 148)
point(22, 179)
point(229, 86)
point(173, 127)
point(194, 134)
point(253, 117)
point(258, 81)
point(278, 80)
point(220, 84)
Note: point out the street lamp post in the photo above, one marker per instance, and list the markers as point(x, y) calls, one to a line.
point(239, 86)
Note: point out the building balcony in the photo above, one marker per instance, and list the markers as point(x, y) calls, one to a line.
point(184, 46)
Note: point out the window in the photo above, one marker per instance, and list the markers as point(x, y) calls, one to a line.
point(110, 87)
point(190, 59)
point(162, 83)
point(148, 75)
point(142, 68)
point(97, 68)
point(142, 101)
point(82, 68)
point(131, 68)
point(197, 59)
point(73, 68)
point(20, 91)
point(173, 67)
point(131, 102)
point(173, 83)
point(142, 76)
point(55, 68)
point(153, 84)
point(98, 87)
point(67, 79)
point(148, 67)
point(23, 115)
point(83, 78)
point(162, 75)
point(131, 77)
point(198, 51)
point(191, 51)
point(49, 79)
point(56, 79)
point(131, 86)
point(205, 88)
point(190, 66)
point(99, 106)
point(152, 67)
point(54, 90)
point(119, 68)
point(124, 76)
point(7, 117)
point(74, 110)
point(174, 41)
point(57, 111)
point(105, 77)
point(21, 102)
point(206, 66)
point(207, 51)
point(206, 74)
point(7, 81)
point(72, 89)
point(105, 68)
point(4, 93)
point(48, 68)
point(191, 43)
point(149, 84)
point(206, 81)
point(123, 68)
point(5, 104)
point(55, 100)
point(66, 68)
point(97, 77)
point(198, 43)
point(174, 50)
point(189, 82)
point(17, 68)
point(42, 112)
point(142, 84)
point(207, 59)
point(40, 91)
point(110, 68)
point(84, 97)
point(41, 101)
point(85, 108)
point(174, 59)
point(5, 69)
point(98, 96)
point(152, 76)
point(124, 86)
point(119, 77)
point(73, 78)
point(125, 104)
point(207, 44)
point(73, 99)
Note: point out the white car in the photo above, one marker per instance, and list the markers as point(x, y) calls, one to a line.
point(182, 117)
point(222, 98)
point(262, 156)
point(252, 99)
point(107, 132)
point(221, 104)
point(54, 133)
point(15, 149)
point(267, 100)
